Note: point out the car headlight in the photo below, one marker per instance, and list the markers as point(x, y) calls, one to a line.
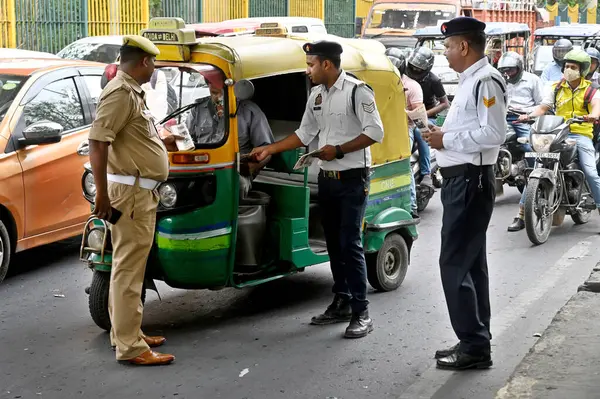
point(95, 239)
point(168, 195)
point(542, 142)
point(89, 185)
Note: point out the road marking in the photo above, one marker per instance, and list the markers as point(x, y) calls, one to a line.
point(433, 379)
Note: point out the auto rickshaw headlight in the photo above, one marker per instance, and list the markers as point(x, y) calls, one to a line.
point(89, 186)
point(95, 238)
point(168, 195)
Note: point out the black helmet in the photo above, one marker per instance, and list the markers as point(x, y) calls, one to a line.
point(399, 62)
point(419, 63)
point(594, 55)
point(560, 49)
point(511, 60)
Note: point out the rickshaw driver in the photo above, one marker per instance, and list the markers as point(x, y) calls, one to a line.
point(345, 135)
point(206, 124)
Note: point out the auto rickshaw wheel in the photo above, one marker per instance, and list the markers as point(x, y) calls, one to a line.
point(98, 300)
point(387, 268)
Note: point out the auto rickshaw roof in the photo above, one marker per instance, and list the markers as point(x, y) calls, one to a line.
point(566, 31)
point(491, 29)
point(259, 56)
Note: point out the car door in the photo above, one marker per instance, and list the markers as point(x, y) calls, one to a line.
point(52, 173)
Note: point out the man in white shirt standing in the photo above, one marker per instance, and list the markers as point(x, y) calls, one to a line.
point(525, 92)
point(345, 134)
point(468, 144)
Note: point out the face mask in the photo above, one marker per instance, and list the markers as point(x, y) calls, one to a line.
point(571, 75)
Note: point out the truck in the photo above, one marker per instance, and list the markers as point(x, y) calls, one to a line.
point(393, 22)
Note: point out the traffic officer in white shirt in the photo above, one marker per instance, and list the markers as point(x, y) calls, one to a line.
point(345, 134)
point(468, 145)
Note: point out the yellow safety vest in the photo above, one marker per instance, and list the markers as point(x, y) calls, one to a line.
point(570, 104)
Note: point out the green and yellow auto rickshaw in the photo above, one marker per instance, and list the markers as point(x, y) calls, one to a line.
point(206, 237)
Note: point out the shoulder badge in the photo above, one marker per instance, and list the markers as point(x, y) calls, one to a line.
point(489, 102)
point(368, 108)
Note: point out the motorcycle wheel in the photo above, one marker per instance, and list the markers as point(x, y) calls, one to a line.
point(537, 224)
point(581, 217)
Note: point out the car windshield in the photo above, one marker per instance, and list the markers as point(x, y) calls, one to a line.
point(207, 121)
point(410, 15)
point(9, 88)
point(99, 52)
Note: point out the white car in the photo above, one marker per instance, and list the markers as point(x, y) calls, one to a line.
point(447, 75)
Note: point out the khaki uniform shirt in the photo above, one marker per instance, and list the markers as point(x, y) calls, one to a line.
point(124, 121)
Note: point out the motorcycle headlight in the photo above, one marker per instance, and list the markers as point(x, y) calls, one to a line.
point(95, 238)
point(542, 142)
point(89, 186)
point(168, 195)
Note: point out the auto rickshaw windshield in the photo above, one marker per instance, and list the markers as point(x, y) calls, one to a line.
point(197, 99)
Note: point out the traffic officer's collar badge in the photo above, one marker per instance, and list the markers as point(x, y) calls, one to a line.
point(489, 102)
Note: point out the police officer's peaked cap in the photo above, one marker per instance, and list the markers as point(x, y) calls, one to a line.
point(141, 43)
point(323, 48)
point(461, 26)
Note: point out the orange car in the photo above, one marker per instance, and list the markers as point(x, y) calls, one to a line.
point(46, 109)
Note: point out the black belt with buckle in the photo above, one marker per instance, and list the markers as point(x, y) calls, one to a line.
point(344, 174)
point(466, 169)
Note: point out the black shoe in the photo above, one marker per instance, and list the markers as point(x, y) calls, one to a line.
point(338, 312)
point(517, 225)
point(360, 325)
point(463, 361)
point(446, 352)
point(414, 215)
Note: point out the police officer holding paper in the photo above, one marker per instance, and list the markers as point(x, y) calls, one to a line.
point(345, 134)
point(468, 145)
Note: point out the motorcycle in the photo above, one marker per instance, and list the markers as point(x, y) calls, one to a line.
point(556, 186)
point(511, 163)
point(424, 193)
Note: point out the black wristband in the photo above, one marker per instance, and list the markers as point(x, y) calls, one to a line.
point(339, 154)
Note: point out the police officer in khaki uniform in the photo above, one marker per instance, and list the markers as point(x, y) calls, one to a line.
point(346, 127)
point(129, 160)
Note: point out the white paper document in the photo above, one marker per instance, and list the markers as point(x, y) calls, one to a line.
point(183, 138)
point(306, 160)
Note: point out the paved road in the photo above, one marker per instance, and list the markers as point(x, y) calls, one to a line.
point(50, 348)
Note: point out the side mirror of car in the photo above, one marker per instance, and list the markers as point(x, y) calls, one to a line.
point(243, 90)
point(42, 132)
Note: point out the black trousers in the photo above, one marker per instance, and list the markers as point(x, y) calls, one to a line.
point(342, 203)
point(468, 207)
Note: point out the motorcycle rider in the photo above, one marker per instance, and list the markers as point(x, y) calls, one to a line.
point(568, 98)
point(418, 68)
point(414, 99)
point(524, 91)
point(594, 54)
point(553, 71)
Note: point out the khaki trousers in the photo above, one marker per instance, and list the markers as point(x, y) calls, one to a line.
point(132, 238)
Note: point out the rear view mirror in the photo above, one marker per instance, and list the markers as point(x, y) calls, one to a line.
point(42, 132)
point(243, 90)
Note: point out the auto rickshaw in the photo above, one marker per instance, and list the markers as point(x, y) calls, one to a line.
point(581, 35)
point(206, 237)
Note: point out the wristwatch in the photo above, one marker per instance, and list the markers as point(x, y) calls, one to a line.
point(339, 154)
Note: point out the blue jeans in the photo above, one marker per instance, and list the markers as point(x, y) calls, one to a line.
point(413, 186)
point(424, 153)
point(587, 161)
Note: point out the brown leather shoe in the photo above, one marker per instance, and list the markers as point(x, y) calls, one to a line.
point(153, 342)
point(150, 358)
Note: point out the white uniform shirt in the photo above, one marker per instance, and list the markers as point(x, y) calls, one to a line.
point(329, 115)
point(475, 126)
point(527, 93)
